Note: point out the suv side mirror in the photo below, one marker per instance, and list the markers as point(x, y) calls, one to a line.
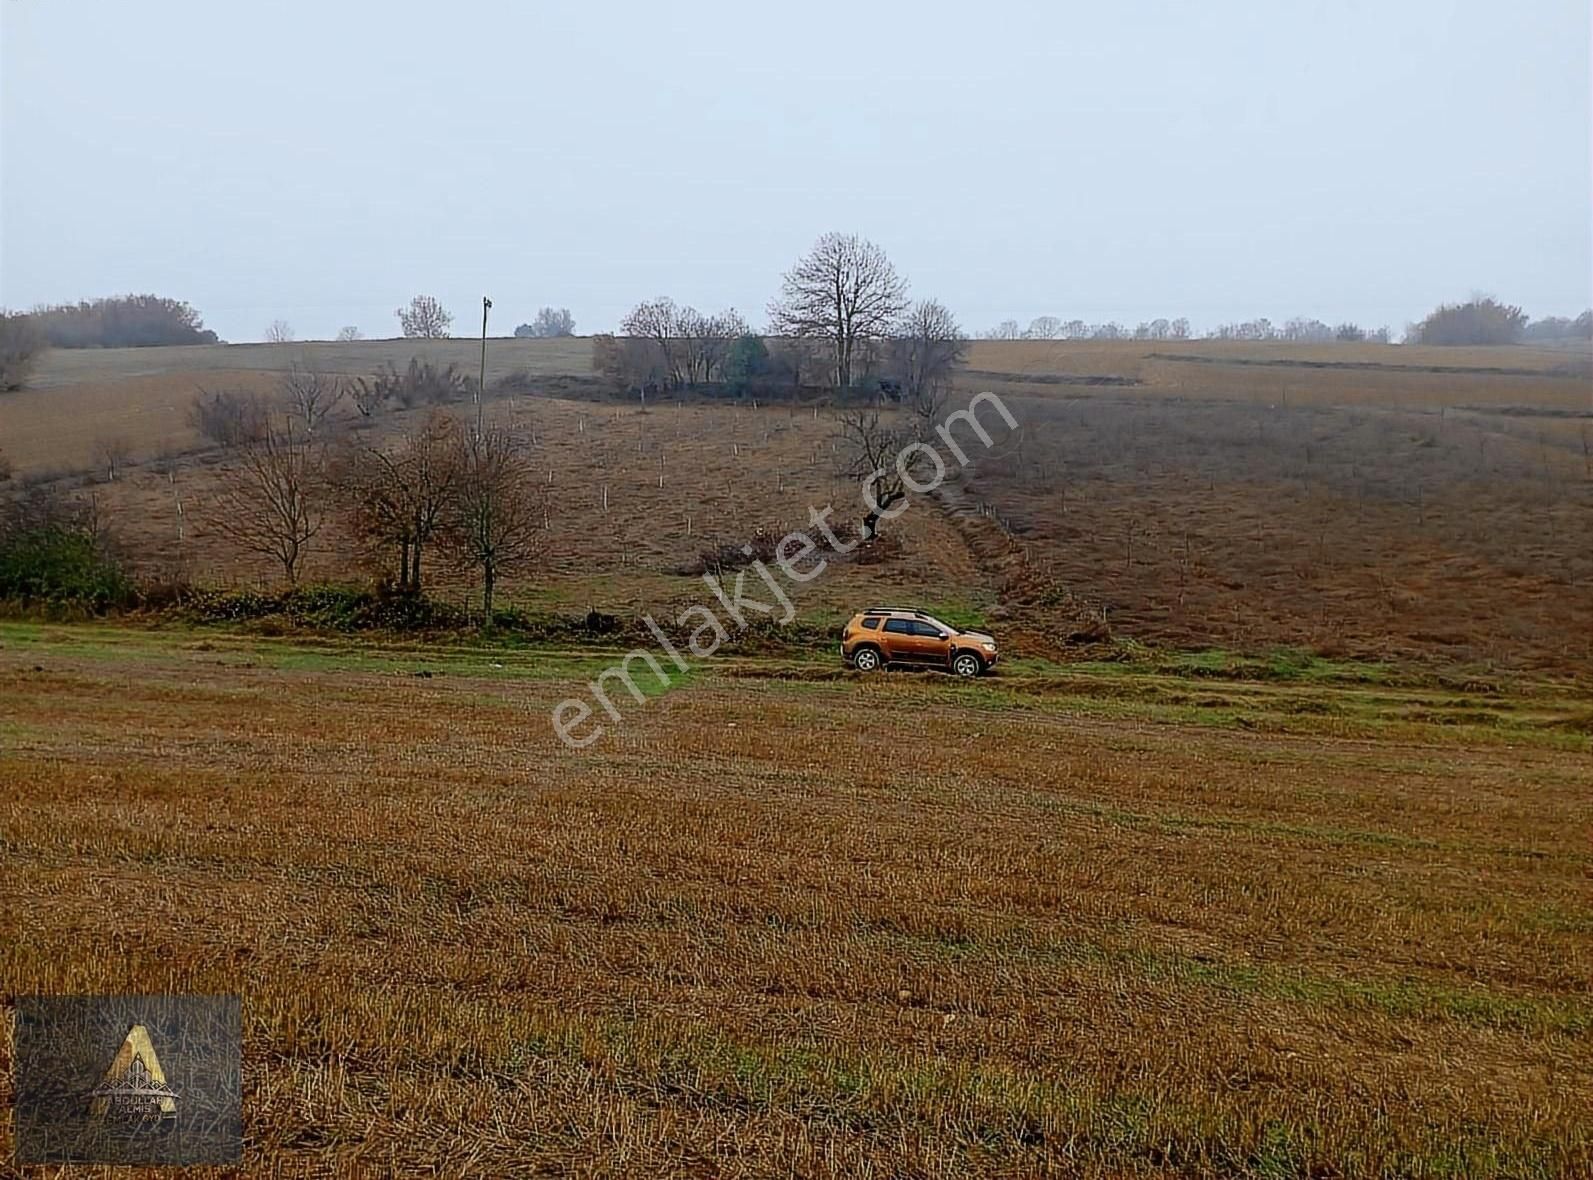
point(942, 635)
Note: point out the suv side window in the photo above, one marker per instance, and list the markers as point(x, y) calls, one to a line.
point(871, 624)
point(899, 626)
point(928, 630)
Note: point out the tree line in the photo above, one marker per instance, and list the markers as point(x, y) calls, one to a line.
point(124, 321)
point(1485, 320)
point(842, 321)
point(467, 495)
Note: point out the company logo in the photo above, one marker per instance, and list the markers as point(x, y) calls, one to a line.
point(134, 1095)
point(153, 1080)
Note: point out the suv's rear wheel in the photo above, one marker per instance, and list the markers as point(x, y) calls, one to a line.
point(965, 663)
point(866, 659)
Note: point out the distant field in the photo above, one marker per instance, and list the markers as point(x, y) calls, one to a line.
point(1090, 922)
point(75, 366)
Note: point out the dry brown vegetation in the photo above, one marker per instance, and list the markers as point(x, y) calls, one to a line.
point(1362, 500)
point(1085, 929)
point(1248, 499)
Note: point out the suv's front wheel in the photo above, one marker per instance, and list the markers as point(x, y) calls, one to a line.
point(966, 663)
point(866, 659)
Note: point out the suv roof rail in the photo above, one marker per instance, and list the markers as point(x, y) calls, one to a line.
point(893, 610)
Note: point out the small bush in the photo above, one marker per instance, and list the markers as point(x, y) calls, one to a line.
point(517, 381)
point(422, 383)
point(226, 418)
point(729, 557)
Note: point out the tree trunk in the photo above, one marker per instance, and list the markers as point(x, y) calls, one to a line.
point(486, 593)
point(403, 564)
point(870, 527)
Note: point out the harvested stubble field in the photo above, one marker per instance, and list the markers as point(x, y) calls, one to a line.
point(1086, 922)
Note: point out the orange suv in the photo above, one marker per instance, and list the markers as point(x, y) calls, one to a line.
point(895, 635)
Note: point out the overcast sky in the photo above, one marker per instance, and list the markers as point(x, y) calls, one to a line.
point(321, 162)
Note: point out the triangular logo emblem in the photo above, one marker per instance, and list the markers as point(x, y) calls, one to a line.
point(134, 1089)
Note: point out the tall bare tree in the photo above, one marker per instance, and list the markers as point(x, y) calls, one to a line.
point(398, 495)
point(279, 332)
point(424, 318)
point(270, 499)
point(844, 291)
point(495, 520)
point(1043, 327)
point(658, 321)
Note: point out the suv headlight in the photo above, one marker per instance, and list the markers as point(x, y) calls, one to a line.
point(988, 646)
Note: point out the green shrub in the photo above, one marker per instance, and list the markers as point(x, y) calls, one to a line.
point(56, 563)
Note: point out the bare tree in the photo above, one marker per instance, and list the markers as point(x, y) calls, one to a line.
point(1005, 330)
point(631, 362)
point(844, 291)
point(348, 334)
point(1044, 327)
point(269, 499)
point(682, 345)
point(279, 332)
point(926, 349)
point(705, 342)
point(875, 452)
point(311, 396)
point(720, 333)
point(398, 495)
point(658, 322)
point(424, 318)
point(111, 453)
point(495, 520)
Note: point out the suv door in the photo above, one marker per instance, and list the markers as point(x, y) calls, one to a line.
point(932, 648)
point(898, 639)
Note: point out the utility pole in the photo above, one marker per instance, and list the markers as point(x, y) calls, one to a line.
point(481, 389)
